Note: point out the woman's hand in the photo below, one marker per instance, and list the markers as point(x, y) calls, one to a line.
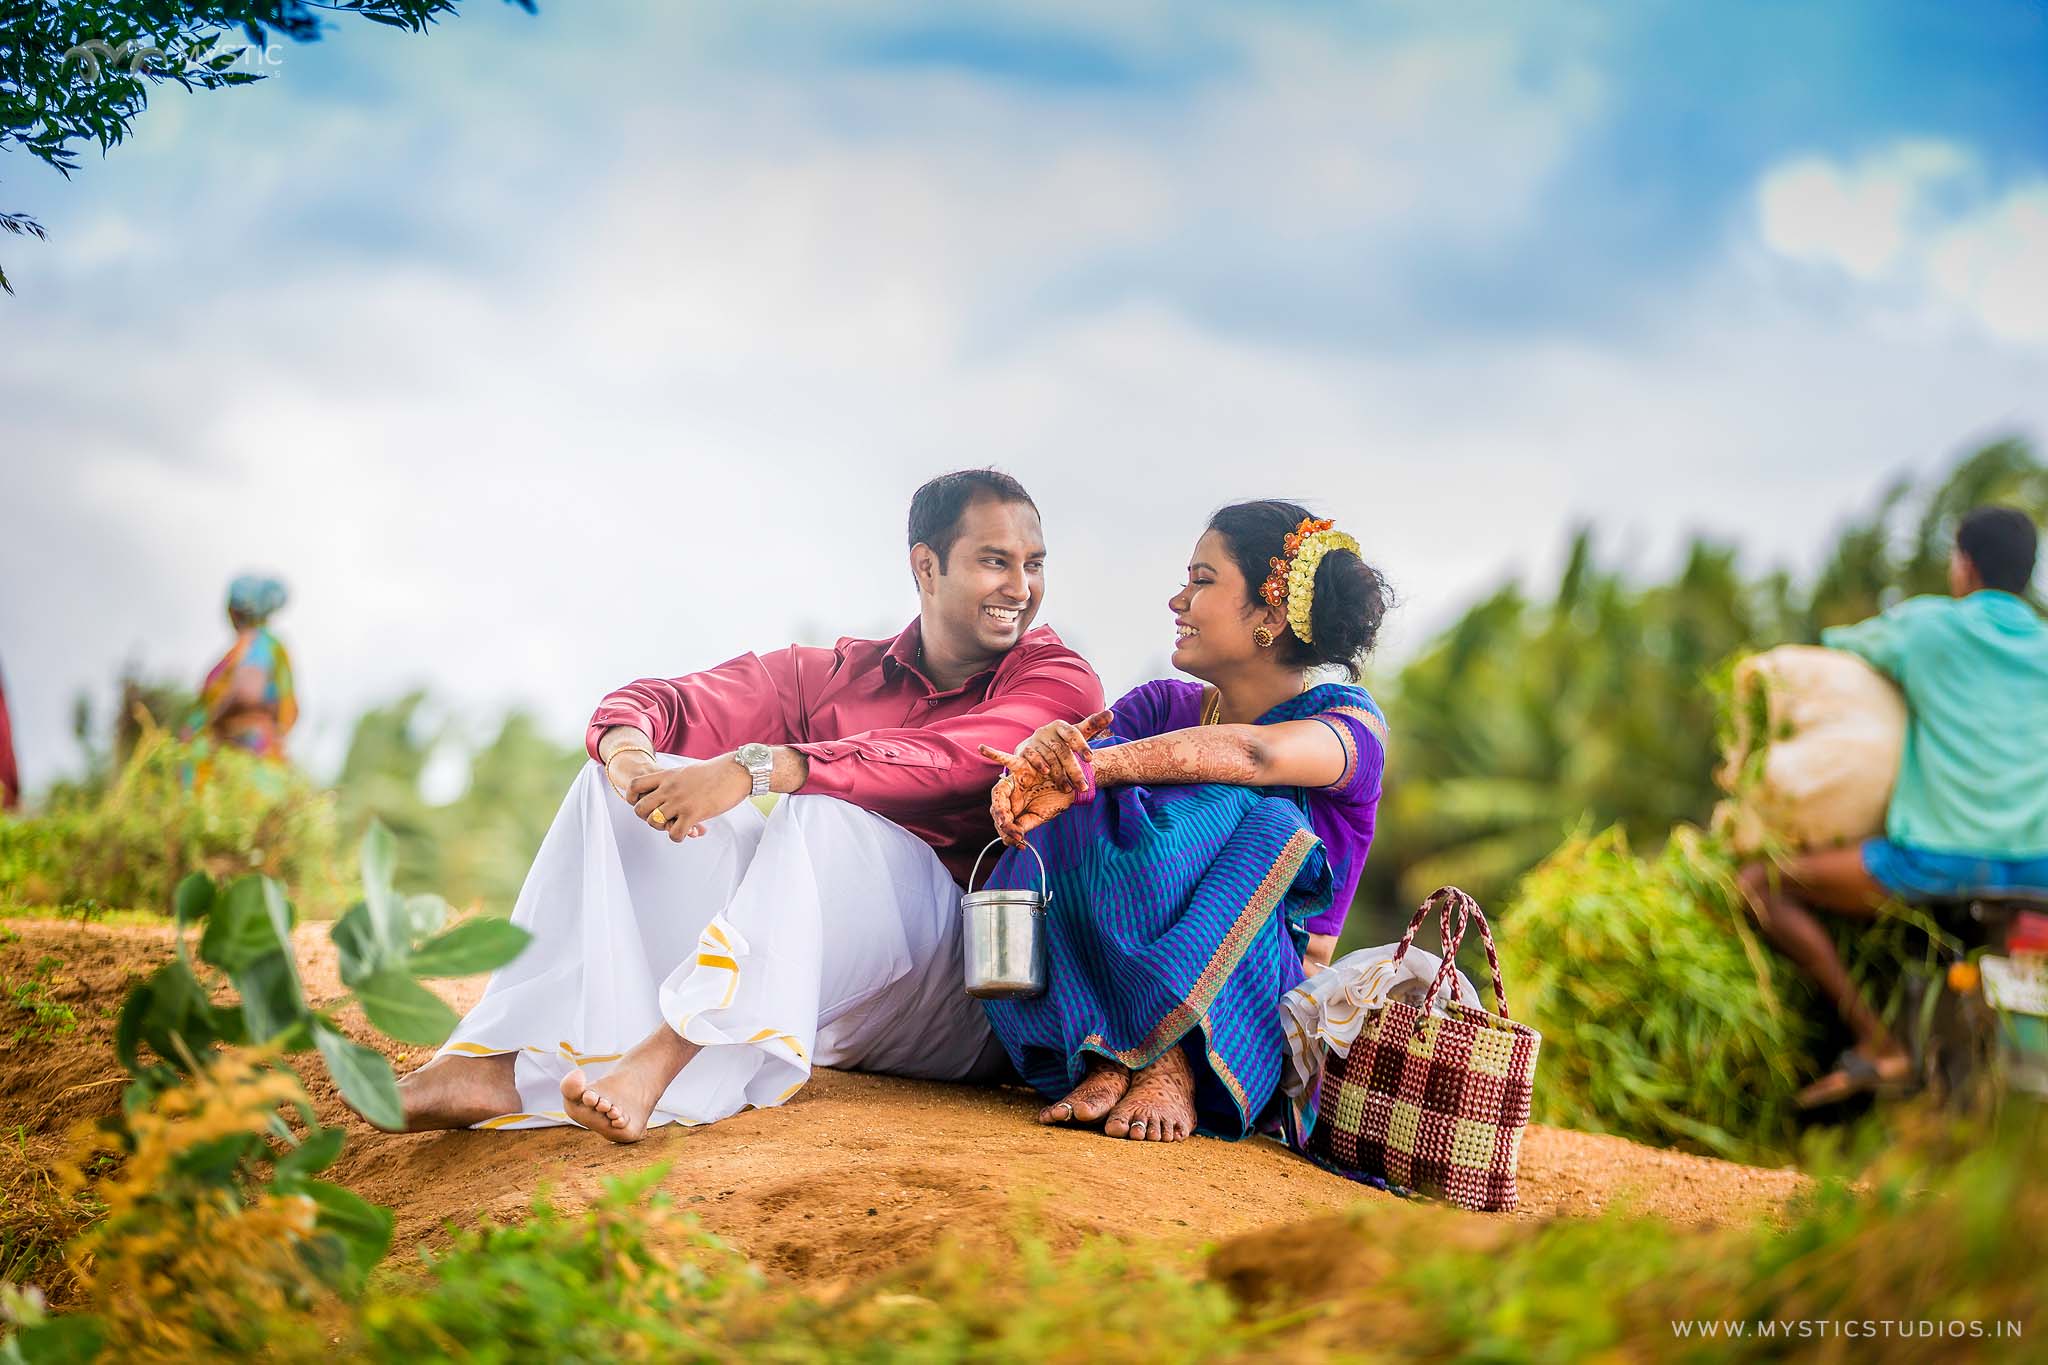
point(1321, 947)
point(1023, 798)
point(1059, 750)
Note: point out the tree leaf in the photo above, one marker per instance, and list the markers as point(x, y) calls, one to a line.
point(362, 1229)
point(315, 1153)
point(363, 1077)
point(386, 910)
point(483, 944)
point(355, 945)
point(241, 927)
point(425, 914)
point(404, 1009)
point(272, 1000)
point(194, 898)
point(65, 1339)
point(170, 1012)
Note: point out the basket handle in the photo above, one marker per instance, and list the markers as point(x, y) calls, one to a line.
point(1445, 899)
point(1044, 882)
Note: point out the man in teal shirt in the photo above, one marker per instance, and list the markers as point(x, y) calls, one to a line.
point(1969, 812)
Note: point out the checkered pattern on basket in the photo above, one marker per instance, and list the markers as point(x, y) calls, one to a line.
point(1431, 1103)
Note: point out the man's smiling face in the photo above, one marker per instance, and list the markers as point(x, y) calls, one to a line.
point(993, 582)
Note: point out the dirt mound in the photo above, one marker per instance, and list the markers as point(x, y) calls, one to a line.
point(855, 1174)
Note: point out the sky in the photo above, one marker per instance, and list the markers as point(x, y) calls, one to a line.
point(540, 353)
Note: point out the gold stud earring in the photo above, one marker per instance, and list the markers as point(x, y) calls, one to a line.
point(1263, 638)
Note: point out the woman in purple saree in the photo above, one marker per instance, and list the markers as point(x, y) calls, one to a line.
point(1202, 840)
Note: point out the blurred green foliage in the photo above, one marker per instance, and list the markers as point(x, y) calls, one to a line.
point(1936, 1230)
point(1880, 1262)
point(633, 1279)
point(125, 839)
point(1534, 714)
point(1664, 1018)
point(475, 849)
point(150, 808)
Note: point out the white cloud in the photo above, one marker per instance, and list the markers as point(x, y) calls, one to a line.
point(637, 391)
point(1916, 221)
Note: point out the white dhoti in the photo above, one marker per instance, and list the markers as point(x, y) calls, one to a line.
point(820, 934)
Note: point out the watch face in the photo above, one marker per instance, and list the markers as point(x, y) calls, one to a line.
point(753, 755)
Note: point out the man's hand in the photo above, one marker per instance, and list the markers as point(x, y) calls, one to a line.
point(688, 796)
point(626, 765)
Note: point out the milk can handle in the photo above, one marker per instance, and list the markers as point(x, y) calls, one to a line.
point(1044, 883)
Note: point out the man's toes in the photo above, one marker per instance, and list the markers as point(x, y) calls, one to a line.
point(573, 1088)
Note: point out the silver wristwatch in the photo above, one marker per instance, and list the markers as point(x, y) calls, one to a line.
point(759, 761)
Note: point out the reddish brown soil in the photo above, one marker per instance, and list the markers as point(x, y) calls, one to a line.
point(855, 1174)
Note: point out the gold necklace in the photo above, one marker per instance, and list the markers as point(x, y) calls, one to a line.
point(1212, 702)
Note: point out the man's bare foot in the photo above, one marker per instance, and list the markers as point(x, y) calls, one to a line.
point(455, 1092)
point(617, 1106)
point(1089, 1101)
point(1884, 1070)
point(1160, 1106)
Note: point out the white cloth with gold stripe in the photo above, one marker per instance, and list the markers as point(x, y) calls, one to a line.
point(819, 934)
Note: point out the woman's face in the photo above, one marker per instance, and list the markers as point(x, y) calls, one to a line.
point(1212, 618)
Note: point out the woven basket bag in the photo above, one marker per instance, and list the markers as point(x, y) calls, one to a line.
point(1430, 1104)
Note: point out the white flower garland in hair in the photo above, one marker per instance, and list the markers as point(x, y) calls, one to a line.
point(1301, 576)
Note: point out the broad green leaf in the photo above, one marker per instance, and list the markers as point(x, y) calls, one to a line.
point(170, 1009)
point(388, 921)
point(363, 1077)
point(316, 1153)
point(363, 1229)
point(128, 1030)
point(193, 898)
point(67, 1339)
point(355, 944)
point(272, 1000)
point(404, 1009)
point(483, 944)
point(425, 914)
point(243, 926)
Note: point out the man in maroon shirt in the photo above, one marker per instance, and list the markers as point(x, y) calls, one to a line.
point(825, 933)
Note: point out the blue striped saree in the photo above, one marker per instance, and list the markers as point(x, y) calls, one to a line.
point(1176, 920)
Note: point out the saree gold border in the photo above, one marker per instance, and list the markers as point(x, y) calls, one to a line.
point(1350, 746)
point(1363, 717)
point(1229, 953)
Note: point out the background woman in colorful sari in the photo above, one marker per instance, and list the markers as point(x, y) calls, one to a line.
point(247, 699)
point(1202, 839)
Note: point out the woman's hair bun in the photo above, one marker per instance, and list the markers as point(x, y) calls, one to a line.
point(1351, 598)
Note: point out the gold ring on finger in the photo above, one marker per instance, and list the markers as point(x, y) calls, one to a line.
point(656, 818)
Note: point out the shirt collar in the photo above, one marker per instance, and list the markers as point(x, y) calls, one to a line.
point(903, 654)
point(904, 649)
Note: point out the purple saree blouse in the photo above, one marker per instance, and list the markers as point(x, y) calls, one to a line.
point(1341, 814)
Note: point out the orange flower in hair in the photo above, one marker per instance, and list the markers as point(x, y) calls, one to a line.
point(1275, 590)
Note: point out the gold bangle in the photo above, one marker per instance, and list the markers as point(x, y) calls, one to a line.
point(628, 749)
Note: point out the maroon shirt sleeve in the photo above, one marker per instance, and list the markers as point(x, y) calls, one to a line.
point(899, 773)
point(10, 777)
point(756, 698)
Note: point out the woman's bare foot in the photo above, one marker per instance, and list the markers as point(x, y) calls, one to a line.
point(1089, 1101)
point(455, 1092)
point(1160, 1106)
point(617, 1106)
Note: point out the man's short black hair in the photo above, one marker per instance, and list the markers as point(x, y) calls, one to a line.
point(2002, 543)
point(936, 508)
